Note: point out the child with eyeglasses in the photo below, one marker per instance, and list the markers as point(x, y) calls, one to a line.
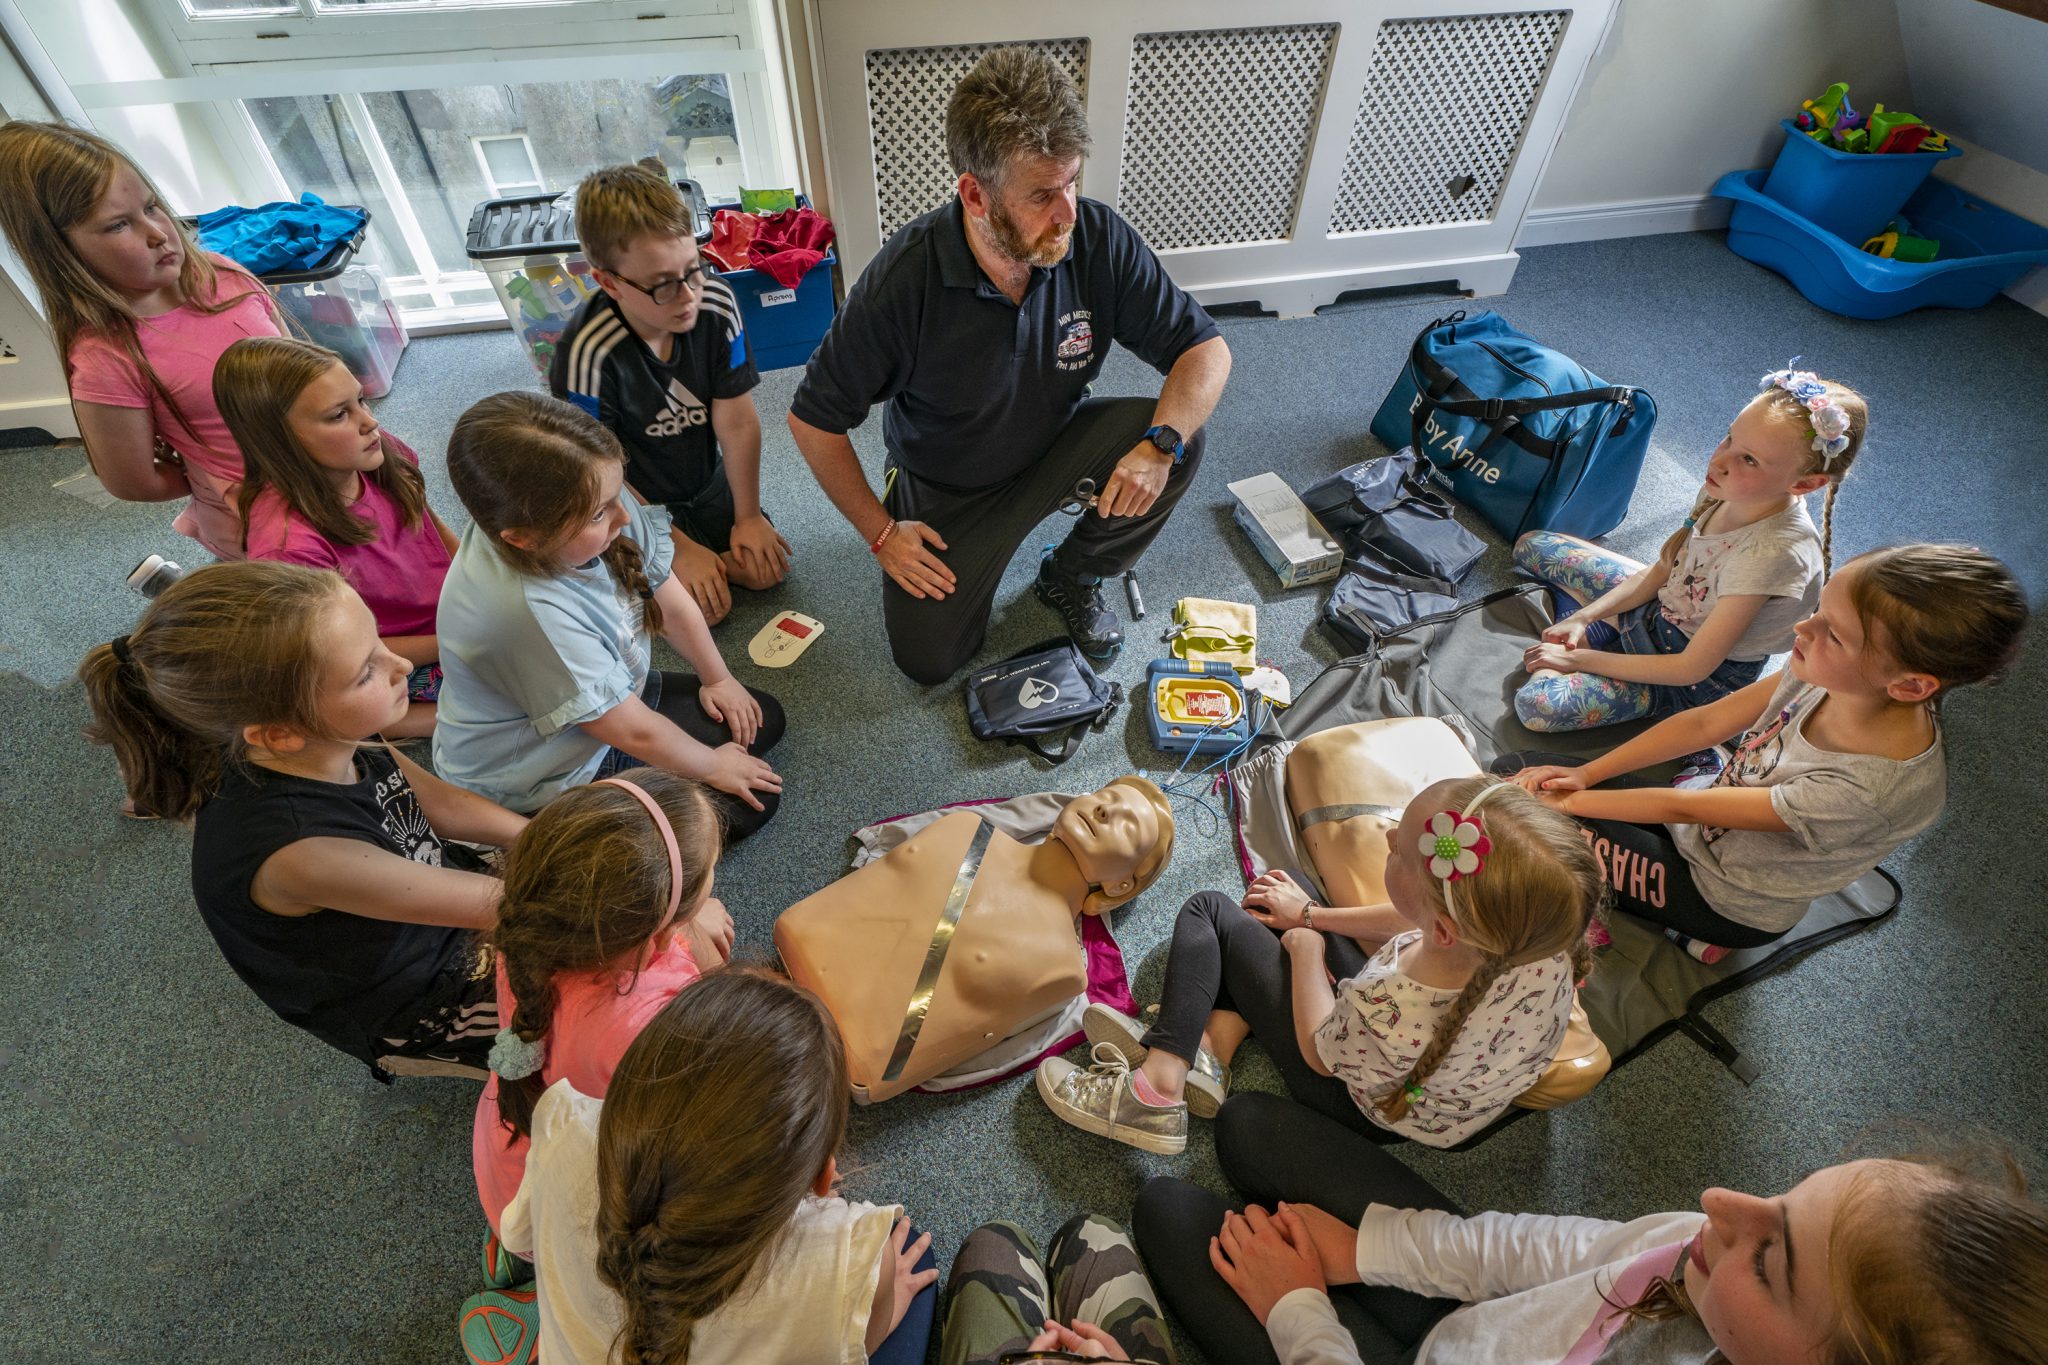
point(661, 357)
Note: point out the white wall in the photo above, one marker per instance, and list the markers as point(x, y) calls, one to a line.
point(1687, 90)
point(1982, 73)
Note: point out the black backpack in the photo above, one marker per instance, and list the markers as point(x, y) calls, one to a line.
point(1049, 689)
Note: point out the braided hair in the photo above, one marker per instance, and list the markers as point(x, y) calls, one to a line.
point(1539, 889)
point(532, 464)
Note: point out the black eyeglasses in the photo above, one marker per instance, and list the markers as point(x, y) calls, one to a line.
point(666, 292)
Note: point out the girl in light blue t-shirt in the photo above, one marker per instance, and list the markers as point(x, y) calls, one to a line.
point(546, 627)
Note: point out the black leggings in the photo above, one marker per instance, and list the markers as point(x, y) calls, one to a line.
point(1272, 1149)
point(1223, 959)
point(674, 695)
point(1647, 874)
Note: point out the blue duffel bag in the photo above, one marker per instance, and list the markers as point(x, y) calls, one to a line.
point(1522, 434)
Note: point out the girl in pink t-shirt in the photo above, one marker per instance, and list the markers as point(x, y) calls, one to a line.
point(140, 315)
point(607, 914)
point(327, 487)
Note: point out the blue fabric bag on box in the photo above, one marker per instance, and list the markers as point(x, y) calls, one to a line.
point(280, 236)
point(1522, 434)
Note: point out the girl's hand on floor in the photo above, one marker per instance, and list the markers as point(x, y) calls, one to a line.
point(1265, 1258)
point(738, 773)
point(1549, 777)
point(1276, 901)
point(703, 573)
point(729, 703)
point(909, 1279)
point(1334, 1241)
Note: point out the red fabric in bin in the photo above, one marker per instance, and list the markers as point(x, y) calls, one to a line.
point(784, 246)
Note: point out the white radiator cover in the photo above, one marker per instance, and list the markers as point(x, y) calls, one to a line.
point(1329, 147)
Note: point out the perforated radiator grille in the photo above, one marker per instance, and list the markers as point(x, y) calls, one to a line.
point(1218, 130)
point(1446, 103)
point(908, 88)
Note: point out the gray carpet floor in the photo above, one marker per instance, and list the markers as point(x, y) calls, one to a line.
point(183, 1177)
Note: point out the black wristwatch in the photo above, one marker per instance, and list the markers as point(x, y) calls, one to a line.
point(1167, 441)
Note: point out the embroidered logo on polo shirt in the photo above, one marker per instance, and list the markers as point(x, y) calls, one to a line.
point(1077, 340)
point(685, 410)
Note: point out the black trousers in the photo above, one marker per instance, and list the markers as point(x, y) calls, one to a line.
point(674, 695)
point(982, 528)
point(1645, 871)
point(1272, 1149)
point(1223, 959)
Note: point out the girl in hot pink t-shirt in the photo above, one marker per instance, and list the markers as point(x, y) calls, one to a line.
point(140, 315)
point(329, 488)
point(607, 914)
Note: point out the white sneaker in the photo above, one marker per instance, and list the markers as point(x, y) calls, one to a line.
point(1208, 1079)
point(1101, 1100)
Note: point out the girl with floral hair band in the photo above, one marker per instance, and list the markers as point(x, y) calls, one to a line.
point(1632, 640)
point(1461, 1008)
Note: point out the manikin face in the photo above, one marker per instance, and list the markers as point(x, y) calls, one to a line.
point(1761, 458)
point(127, 240)
point(1758, 1272)
point(1111, 834)
point(332, 424)
point(1030, 216)
point(652, 261)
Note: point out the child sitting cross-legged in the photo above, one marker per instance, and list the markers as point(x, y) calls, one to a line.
point(1839, 758)
point(327, 486)
point(693, 1214)
point(1461, 1008)
point(608, 913)
point(323, 865)
point(659, 355)
point(1725, 589)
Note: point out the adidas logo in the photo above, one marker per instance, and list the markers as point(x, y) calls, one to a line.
point(685, 410)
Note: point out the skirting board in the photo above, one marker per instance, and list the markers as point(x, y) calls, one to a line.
point(51, 414)
point(1690, 213)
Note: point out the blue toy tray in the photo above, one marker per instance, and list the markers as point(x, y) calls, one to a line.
point(1983, 250)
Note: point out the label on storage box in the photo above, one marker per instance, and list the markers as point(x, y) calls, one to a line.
point(775, 296)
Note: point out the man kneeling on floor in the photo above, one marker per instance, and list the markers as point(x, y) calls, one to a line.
point(982, 324)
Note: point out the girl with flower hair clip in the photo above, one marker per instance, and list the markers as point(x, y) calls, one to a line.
point(1449, 1000)
point(1637, 641)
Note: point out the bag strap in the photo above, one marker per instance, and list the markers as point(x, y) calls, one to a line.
point(935, 953)
point(1075, 733)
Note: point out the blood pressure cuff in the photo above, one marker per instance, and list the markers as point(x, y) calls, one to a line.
point(1048, 693)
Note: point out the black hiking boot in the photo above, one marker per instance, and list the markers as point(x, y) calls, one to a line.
point(1078, 600)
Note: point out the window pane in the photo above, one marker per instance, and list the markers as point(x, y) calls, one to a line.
point(572, 128)
point(316, 148)
point(200, 9)
point(509, 162)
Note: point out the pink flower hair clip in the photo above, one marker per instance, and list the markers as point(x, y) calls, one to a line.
point(1456, 845)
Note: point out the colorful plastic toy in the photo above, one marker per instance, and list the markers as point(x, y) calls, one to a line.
point(1817, 116)
point(1897, 243)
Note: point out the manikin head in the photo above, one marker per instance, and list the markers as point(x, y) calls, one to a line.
point(1120, 837)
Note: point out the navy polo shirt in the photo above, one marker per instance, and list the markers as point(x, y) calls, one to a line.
point(978, 387)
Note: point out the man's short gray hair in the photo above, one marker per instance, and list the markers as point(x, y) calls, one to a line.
point(1016, 101)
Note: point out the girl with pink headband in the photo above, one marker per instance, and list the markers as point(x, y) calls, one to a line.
point(607, 914)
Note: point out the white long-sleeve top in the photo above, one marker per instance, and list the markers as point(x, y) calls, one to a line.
point(1531, 1284)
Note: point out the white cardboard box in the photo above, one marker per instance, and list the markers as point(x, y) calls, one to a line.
point(1291, 541)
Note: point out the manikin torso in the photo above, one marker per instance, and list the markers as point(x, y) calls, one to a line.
point(860, 943)
point(1379, 765)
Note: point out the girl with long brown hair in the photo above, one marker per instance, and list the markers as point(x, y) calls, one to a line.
point(140, 315)
point(327, 868)
point(607, 914)
point(328, 487)
point(1461, 1009)
point(546, 625)
point(692, 1218)
point(1920, 1260)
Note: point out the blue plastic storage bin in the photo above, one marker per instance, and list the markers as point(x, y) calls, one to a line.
point(1984, 249)
point(1850, 194)
point(784, 325)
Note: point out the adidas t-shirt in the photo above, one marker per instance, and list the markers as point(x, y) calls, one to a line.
point(661, 412)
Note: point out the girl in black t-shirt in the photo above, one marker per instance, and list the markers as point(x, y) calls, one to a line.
point(241, 700)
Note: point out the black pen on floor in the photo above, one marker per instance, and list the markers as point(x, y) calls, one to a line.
point(1131, 591)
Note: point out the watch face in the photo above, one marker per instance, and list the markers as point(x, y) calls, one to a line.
point(1166, 438)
